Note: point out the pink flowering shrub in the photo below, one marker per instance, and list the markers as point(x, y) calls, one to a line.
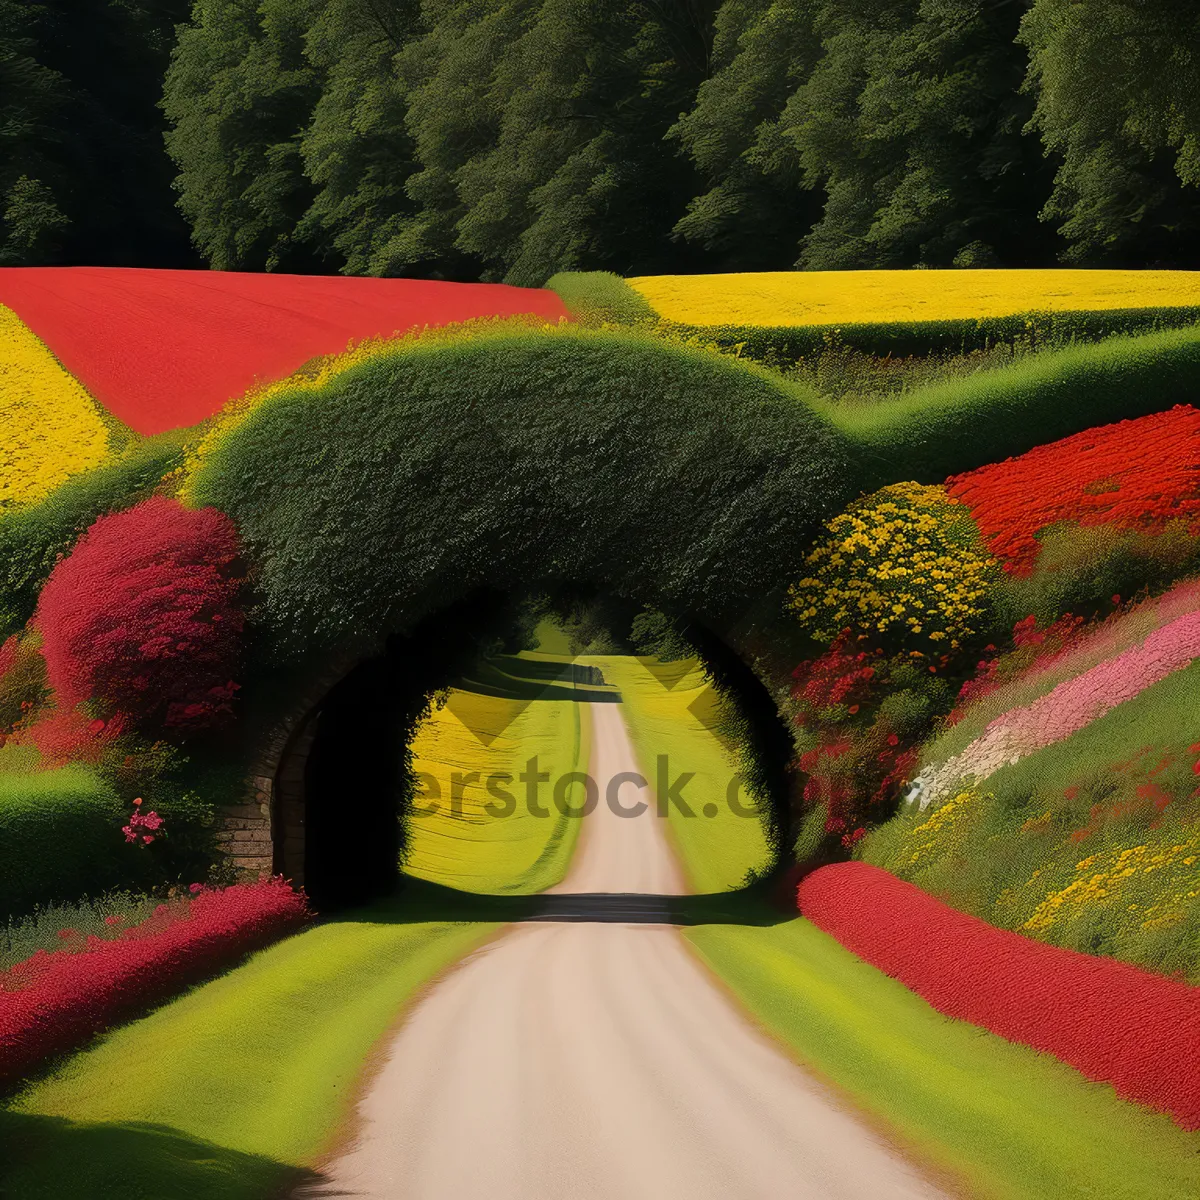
point(1065, 709)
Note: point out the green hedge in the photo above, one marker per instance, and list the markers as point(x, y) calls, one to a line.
point(597, 297)
point(31, 539)
point(937, 431)
point(782, 345)
point(60, 838)
point(519, 457)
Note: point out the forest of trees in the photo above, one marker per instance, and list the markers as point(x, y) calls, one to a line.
point(509, 139)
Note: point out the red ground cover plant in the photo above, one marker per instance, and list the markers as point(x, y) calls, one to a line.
point(144, 614)
point(1137, 474)
point(163, 349)
point(1111, 1021)
point(57, 1000)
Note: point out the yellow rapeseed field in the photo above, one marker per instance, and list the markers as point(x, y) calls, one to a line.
point(869, 297)
point(467, 756)
point(50, 428)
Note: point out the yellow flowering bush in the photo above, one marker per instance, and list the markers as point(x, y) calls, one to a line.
point(50, 428)
point(796, 298)
point(905, 564)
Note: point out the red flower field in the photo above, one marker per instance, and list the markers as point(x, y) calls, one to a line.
point(56, 1000)
point(1135, 474)
point(1111, 1021)
point(162, 349)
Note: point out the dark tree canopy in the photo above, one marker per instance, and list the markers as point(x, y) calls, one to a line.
point(511, 139)
point(83, 176)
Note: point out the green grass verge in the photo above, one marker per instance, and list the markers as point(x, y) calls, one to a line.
point(672, 711)
point(231, 1091)
point(600, 297)
point(1011, 1123)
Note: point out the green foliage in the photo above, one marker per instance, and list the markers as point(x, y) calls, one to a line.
point(82, 173)
point(754, 209)
point(1118, 102)
point(911, 121)
point(517, 458)
point(60, 838)
point(937, 431)
point(32, 539)
point(357, 150)
point(785, 347)
point(1080, 568)
point(538, 125)
point(23, 685)
point(239, 94)
point(600, 297)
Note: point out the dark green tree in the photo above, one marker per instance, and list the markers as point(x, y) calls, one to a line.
point(912, 123)
point(83, 176)
point(240, 95)
point(539, 125)
point(1118, 97)
point(755, 208)
point(357, 150)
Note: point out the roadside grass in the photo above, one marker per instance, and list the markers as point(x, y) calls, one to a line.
point(1011, 1123)
point(471, 827)
point(238, 1087)
point(674, 713)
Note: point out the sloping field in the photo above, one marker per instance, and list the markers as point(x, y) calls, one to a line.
point(161, 349)
point(779, 298)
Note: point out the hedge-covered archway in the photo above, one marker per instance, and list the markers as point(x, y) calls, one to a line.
point(512, 460)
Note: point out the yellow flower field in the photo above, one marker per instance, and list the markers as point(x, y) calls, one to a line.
point(50, 428)
point(869, 297)
point(470, 842)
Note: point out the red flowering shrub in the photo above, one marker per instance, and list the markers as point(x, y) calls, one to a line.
point(1139, 474)
point(144, 614)
point(861, 715)
point(56, 1000)
point(1109, 1020)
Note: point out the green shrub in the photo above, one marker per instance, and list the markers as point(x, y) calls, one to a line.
point(32, 539)
point(597, 297)
point(938, 431)
point(1081, 568)
point(60, 838)
point(440, 466)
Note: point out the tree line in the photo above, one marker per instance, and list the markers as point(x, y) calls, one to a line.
point(509, 139)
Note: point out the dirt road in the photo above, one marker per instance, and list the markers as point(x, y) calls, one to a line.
point(601, 1061)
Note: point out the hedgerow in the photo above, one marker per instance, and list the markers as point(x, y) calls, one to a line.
point(520, 456)
point(32, 539)
point(787, 344)
point(55, 1001)
point(596, 297)
point(59, 838)
point(938, 431)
